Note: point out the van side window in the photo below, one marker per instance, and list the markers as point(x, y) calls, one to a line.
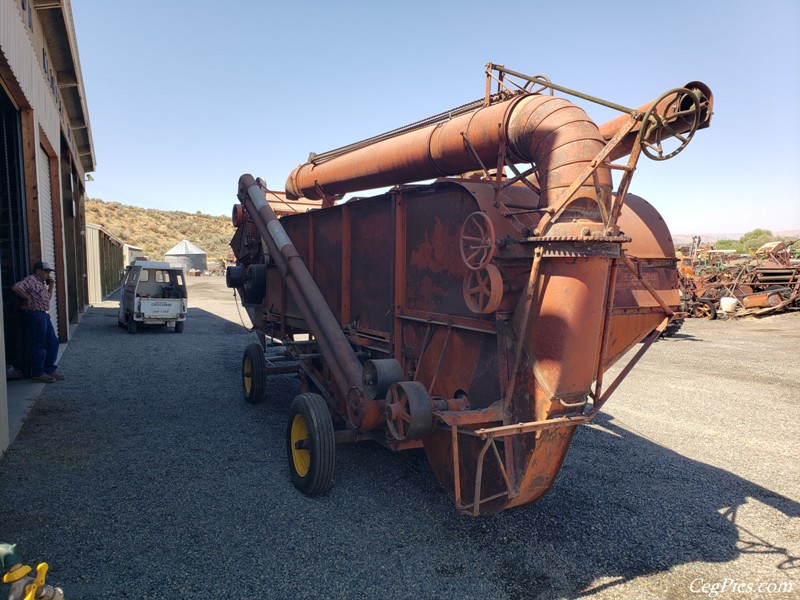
point(159, 276)
point(145, 276)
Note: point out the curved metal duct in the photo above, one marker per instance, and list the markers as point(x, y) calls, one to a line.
point(550, 132)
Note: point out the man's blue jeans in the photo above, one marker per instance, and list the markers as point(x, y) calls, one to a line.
point(43, 341)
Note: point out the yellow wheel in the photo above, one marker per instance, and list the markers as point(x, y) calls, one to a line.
point(254, 374)
point(310, 444)
point(301, 453)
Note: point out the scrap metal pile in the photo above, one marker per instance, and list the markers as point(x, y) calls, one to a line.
point(474, 316)
point(768, 284)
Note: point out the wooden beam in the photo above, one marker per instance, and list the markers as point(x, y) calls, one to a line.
point(46, 4)
point(30, 181)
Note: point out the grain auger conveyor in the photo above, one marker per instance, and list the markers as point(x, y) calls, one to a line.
point(474, 316)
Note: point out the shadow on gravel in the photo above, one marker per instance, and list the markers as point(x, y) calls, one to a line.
point(145, 475)
point(625, 507)
point(622, 508)
point(680, 337)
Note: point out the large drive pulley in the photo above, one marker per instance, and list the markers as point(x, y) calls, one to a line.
point(409, 414)
point(477, 241)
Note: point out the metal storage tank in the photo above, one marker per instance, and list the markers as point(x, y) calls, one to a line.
point(186, 255)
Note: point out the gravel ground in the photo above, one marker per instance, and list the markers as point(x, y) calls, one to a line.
point(145, 475)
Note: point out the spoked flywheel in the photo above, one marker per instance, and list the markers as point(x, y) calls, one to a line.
point(477, 241)
point(670, 123)
point(483, 290)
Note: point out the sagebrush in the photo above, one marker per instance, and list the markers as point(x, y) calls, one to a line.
point(156, 231)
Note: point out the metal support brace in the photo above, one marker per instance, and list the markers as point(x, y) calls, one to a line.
point(567, 195)
point(529, 294)
point(476, 502)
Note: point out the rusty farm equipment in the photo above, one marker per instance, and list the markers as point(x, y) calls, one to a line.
point(768, 284)
point(474, 316)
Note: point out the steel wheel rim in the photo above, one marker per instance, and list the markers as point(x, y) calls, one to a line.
point(397, 416)
point(301, 457)
point(247, 375)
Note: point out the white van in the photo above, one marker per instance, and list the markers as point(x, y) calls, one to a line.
point(153, 293)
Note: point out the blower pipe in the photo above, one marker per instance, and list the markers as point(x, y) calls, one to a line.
point(552, 133)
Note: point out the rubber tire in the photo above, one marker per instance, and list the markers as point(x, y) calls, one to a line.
point(317, 476)
point(132, 326)
point(712, 312)
point(254, 358)
point(179, 326)
point(672, 328)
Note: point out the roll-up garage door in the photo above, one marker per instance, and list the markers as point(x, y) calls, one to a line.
point(46, 225)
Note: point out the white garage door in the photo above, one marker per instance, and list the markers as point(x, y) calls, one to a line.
point(46, 225)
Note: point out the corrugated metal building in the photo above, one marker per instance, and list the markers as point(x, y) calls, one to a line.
point(46, 151)
point(105, 262)
point(131, 253)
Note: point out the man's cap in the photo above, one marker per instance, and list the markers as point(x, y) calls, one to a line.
point(44, 266)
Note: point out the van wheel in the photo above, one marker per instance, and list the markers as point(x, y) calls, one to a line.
point(131, 325)
point(179, 326)
point(254, 374)
point(310, 444)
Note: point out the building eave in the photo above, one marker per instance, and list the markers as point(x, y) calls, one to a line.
point(55, 17)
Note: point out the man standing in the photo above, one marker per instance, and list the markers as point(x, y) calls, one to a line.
point(36, 290)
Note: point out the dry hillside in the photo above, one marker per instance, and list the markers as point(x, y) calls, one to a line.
point(159, 230)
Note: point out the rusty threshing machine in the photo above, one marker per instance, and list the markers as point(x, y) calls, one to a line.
point(475, 315)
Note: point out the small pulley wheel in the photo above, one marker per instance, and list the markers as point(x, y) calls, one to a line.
point(675, 116)
point(409, 414)
point(477, 241)
point(483, 290)
point(255, 284)
point(237, 215)
point(235, 276)
point(378, 375)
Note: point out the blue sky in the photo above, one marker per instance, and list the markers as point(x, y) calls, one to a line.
point(184, 96)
